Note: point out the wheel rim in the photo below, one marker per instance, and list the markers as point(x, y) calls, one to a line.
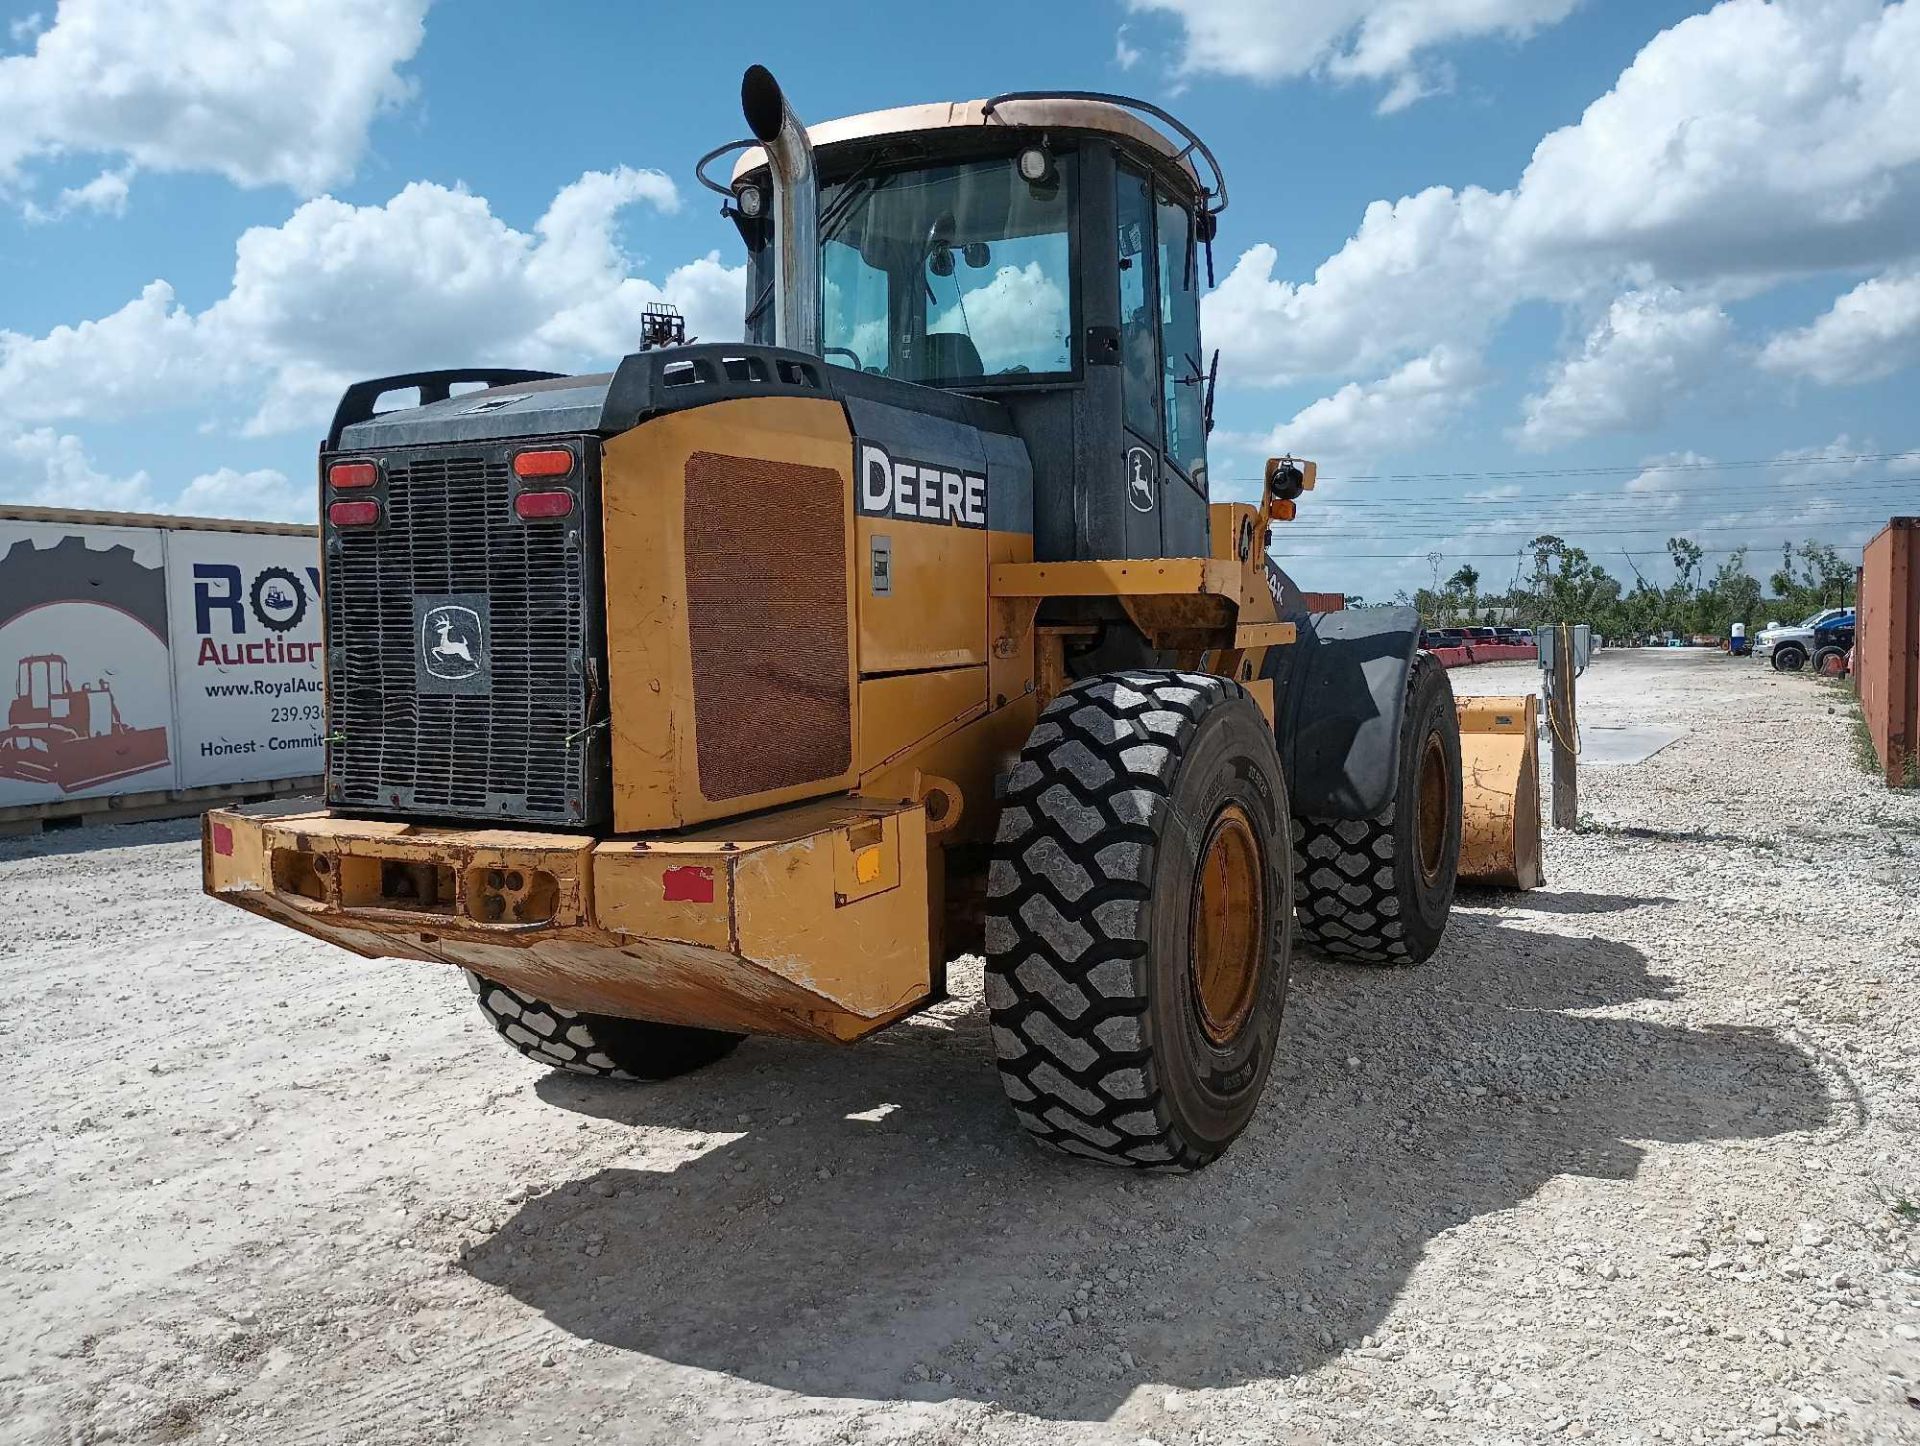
point(1229, 922)
point(1431, 830)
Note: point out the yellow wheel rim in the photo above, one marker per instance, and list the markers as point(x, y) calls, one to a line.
point(1430, 832)
point(1229, 923)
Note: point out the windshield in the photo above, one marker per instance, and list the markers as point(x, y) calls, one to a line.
point(949, 274)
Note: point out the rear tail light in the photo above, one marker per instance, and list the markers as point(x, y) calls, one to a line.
point(348, 475)
point(545, 462)
point(353, 514)
point(536, 506)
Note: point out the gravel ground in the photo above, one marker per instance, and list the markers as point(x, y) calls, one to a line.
point(1632, 1159)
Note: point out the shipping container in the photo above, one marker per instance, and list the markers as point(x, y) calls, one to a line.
point(1886, 648)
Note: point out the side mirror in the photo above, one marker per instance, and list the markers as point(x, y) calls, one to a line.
point(1213, 376)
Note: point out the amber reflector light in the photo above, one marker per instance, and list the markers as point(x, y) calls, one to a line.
point(548, 462)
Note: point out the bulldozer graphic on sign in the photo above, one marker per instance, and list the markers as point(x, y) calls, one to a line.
point(71, 737)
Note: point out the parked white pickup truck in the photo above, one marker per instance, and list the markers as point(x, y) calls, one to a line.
point(1788, 646)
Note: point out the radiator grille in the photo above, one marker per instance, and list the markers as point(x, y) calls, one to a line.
point(513, 752)
point(767, 620)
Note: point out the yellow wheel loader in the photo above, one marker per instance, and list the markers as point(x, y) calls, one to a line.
point(736, 690)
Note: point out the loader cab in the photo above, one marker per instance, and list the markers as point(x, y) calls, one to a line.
point(1040, 252)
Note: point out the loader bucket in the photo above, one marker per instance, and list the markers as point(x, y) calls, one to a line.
point(1500, 787)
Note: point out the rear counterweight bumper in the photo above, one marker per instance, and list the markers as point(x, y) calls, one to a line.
point(810, 921)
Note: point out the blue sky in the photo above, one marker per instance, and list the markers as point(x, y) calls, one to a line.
point(1512, 236)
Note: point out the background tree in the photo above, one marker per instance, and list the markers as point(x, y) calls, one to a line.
point(1466, 584)
point(1823, 580)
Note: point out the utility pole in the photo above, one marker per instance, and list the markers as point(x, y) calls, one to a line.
point(1562, 724)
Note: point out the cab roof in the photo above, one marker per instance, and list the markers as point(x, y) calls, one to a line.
point(1051, 113)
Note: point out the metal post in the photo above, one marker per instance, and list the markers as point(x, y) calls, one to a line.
point(1562, 725)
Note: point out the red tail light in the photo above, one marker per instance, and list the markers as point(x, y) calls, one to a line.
point(353, 514)
point(547, 462)
point(348, 475)
point(535, 506)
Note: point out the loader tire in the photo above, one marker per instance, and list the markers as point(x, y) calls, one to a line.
point(1138, 908)
point(596, 1044)
point(1789, 658)
point(1378, 890)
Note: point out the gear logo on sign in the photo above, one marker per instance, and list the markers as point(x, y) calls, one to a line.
point(278, 599)
point(1142, 474)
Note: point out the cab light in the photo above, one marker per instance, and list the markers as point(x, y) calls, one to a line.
point(348, 475)
point(535, 506)
point(353, 514)
point(548, 462)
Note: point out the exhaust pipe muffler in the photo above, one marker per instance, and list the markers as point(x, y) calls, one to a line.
point(796, 210)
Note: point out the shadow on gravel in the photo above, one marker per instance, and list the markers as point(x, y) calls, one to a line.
point(1540, 901)
point(1675, 835)
point(878, 1209)
point(54, 842)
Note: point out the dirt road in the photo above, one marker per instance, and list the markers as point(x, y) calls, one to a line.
point(1632, 1159)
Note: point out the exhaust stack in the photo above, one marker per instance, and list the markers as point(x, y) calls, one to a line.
point(796, 210)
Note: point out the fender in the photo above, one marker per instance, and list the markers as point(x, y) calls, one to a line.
point(1339, 694)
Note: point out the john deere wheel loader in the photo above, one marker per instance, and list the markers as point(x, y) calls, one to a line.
point(735, 690)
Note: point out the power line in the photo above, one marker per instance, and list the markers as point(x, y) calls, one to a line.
point(1612, 499)
point(1522, 552)
point(1672, 530)
point(1842, 459)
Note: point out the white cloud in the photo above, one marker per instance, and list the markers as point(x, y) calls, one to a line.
point(1371, 40)
point(266, 92)
point(1125, 55)
point(1871, 332)
point(1650, 350)
point(148, 354)
point(1754, 142)
point(106, 194)
point(44, 468)
point(262, 495)
point(340, 292)
point(40, 467)
point(1395, 413)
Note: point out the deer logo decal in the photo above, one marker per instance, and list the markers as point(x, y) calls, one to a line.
point(452, 642)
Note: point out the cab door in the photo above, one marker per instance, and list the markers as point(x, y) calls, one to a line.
point(1163, 377)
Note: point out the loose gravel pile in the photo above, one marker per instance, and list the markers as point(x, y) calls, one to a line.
point(1631, 1160)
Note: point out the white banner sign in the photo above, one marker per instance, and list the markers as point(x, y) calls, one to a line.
point(147, 659)
point(85, 687)
point(245, 614)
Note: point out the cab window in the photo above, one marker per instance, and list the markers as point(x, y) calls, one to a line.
point(1183, 375)
point(950, 274)
point(1140, 389)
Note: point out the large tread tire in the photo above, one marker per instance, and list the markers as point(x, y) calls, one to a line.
point(602, 1045)
point(1090, 981)
point(1789, 658)
point(1361, 893)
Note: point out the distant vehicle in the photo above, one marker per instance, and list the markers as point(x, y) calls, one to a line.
point(1482, 635)
point(1443, 638)
point(1515, 635)
point(1791, 647)
point(1833, 645)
